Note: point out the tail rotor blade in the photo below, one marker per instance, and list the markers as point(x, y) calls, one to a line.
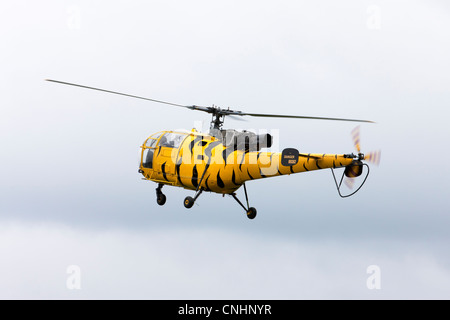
point(373, 157)
point(355, 136)
point(349, 182)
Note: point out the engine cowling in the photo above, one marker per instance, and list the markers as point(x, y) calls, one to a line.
point(260, 141)
point(246, 140)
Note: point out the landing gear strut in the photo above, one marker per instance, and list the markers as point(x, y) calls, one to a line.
point(251, 212)
point(160, 197)
point(189, 201)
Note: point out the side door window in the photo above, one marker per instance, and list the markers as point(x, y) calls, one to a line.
point(147, 159)
point(149, 151)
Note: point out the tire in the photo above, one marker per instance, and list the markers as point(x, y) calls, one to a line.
point(188, 202)
point(161, 199)
point(251, 213)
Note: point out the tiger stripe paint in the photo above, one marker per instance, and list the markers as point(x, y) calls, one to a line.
point(224, 170)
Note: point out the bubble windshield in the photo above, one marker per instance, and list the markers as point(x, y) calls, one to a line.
point(172, 140)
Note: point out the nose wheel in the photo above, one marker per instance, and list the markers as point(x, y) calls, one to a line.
point(160, 197)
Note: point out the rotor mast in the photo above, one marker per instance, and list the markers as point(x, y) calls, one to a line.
point(217, 118)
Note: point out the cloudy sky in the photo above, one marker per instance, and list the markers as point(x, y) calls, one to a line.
point(71, 194)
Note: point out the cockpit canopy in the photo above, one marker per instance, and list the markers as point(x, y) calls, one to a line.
point(160, 139)
point(171, 139)
point(166, 139)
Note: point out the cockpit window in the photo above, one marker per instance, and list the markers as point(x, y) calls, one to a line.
point(171, 140)
point(156, 135)
point(148, 158)
point(151, 142)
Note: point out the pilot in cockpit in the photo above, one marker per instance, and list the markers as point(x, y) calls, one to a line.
point(163, 142)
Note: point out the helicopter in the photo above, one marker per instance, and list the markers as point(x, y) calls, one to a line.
point(223, 160)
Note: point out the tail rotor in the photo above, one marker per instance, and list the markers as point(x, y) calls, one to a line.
point(372, 157)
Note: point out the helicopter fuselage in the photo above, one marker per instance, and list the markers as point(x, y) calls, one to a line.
point(199, 161)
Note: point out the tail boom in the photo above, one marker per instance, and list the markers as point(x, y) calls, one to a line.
point(265, 164)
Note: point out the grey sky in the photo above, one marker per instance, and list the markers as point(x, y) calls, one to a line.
point(71, 194)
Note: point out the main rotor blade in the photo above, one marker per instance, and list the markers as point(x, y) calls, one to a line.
point(297, 117)
point(235, 118)
point(119, 93)
point(213, 110)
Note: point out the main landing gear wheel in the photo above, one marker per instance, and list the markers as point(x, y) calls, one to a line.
point(251, 213)
point(161, 199)
point(189, 202)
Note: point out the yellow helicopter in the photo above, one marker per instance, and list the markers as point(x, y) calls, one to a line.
point(222, 161)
